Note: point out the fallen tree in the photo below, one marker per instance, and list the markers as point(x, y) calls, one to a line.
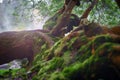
point(22, 44)
point(90, 52)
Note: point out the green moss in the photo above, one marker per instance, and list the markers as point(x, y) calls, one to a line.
point(101, 39)
point(104, 49)
point(72, 17)
point(14, 73)
point(70, 43)
point(57, 76)
point(74, 63)
point(50, 23)
point(67, 57)
point(48, 66)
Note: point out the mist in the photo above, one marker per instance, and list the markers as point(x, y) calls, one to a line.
point(15, 17)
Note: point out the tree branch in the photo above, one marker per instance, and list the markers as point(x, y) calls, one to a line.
point(87, 11)
point(64, 18)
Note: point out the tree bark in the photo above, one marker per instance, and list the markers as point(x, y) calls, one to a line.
point(22, 44)
point(63, 19)
point(85, 14)
point(87, 11)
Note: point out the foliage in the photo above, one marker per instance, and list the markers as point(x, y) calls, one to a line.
point(106, 12)
point(13, 73)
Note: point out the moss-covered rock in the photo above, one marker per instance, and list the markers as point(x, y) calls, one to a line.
point(76, 57)
point(73, 57)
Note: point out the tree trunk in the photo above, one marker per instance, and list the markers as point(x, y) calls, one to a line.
point(22, 44)
point(63, 19)
point(87, 11)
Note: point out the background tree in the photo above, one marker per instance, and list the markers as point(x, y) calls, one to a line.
point(106, 12)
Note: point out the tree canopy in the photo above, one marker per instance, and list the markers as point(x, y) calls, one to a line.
point(105, 12)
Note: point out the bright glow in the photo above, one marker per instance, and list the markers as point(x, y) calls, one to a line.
point(37, 21)
point(1, 1)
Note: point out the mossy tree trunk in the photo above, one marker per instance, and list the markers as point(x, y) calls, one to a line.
point(64, 18)
point(66, 11)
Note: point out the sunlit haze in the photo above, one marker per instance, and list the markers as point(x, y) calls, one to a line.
point(1, 1)
point(10, 21)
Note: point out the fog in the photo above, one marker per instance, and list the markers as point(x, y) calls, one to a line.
point(14, 16)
